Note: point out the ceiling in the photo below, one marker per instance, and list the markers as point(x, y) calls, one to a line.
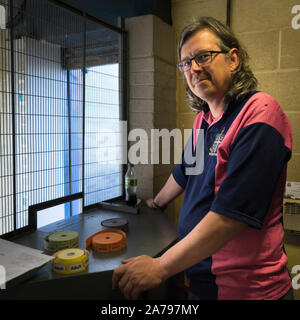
point(110, 10)
point(44, 21)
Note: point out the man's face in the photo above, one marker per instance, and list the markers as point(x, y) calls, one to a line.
point(209, 82)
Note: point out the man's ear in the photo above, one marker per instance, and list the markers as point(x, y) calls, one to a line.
point(234, 59)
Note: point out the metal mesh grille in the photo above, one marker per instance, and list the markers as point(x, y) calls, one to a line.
point(59, 112)
point(6, 136)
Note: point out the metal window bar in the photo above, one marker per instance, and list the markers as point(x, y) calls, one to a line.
point(49, 116)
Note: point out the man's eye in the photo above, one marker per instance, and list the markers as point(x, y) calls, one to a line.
point(186, 63)
point(203, 57)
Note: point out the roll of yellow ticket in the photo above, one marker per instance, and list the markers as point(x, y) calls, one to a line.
point(72, 260)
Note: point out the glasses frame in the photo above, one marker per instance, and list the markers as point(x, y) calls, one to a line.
point(211, 52)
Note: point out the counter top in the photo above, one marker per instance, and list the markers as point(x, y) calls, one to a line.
point(150, 232)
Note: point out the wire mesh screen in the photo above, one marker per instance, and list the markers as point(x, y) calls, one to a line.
point(59, 112)
point(6, 134)
point(102, 170)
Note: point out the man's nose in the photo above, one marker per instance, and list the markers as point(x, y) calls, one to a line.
point(195, 67)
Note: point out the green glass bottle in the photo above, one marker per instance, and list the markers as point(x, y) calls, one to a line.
point(130, 185)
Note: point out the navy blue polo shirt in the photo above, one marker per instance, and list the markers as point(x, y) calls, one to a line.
point(245, 154)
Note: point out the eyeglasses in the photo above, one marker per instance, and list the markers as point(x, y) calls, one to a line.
point(201, 59)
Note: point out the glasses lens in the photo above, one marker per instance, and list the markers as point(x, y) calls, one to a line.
point(203, 58)
point(180, 66)
point(184, 65)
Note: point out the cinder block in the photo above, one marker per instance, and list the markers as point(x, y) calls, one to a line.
point(140, 33)
point(141, 92)
point(143, 120)
point(144, 171)
point(294, 119)
point(168, 68)
point(141, 65)
point(164, 40)
point(159, 182)
point(141, 105)
point(184, 12)
point(290, 51)
point(165, 93)
point(177, 32)
point(283, 86)
point(144, 189)
point(257, 15)
point(165, 76)
point(163, 169)
point(293, 172)
point(263, 49)
point(161, 121)
point(141, 78)
point(163, 107)
point(144, 192)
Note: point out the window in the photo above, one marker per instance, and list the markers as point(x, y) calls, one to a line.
point(103, 177)
point(60, 106)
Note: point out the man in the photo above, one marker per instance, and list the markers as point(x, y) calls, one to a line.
point(230, 224)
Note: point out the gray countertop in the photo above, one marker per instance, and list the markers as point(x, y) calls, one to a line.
point(150, 232)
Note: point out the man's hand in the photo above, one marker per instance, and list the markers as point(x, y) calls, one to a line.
point(151, 204)
point(137, 275)
point(170, 191)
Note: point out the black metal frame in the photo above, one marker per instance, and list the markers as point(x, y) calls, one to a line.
point(32, 210)
point(83, 100)
point(124, 83)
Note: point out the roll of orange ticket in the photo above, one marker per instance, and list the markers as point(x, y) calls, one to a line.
point(108, 240)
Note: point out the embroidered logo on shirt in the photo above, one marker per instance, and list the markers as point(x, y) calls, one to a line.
point(218, 139)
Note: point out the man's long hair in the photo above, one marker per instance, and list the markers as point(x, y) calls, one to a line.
point(242, 79)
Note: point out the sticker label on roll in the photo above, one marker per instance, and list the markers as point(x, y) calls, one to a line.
point(59, 268)
point(75, 267)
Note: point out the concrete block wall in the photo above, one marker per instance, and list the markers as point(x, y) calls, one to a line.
point(264, 27)
point(274, 46)
point(152, 93)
